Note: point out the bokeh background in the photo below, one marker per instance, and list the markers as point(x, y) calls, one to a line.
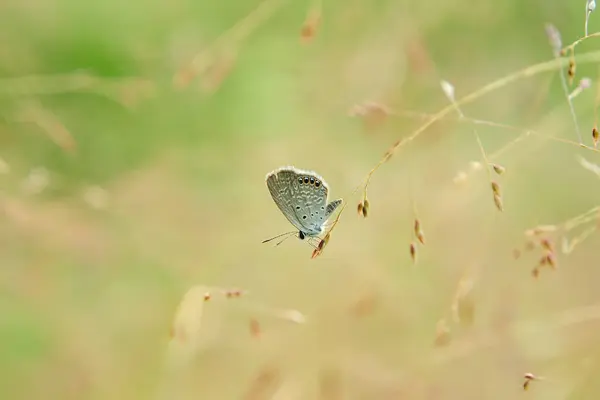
point(126, 181)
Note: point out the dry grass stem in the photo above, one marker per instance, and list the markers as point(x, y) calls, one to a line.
point(231, 39)
point(532, 70)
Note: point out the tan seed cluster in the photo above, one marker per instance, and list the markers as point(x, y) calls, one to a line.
point(419, 231)
point(363, 207)
point(413, 252)
point(572, 69)
point(537, 238)
point(499, 169)
point(316, 252)
point(310, 26)
point(529, 377)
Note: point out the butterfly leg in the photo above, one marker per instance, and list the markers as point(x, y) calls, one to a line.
point(311, 240)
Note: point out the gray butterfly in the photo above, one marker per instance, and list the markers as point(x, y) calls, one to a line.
point(302, 197)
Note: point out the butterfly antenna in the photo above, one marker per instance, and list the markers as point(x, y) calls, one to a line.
point(284, 239)
point(278, 236)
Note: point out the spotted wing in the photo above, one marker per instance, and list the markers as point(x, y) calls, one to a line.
point(282, 189)
point(331, 207)
point(301, 196)
point(311, 202)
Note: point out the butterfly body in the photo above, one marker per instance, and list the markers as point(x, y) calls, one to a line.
point(301, 196)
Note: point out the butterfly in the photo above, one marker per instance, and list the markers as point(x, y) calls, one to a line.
point(301, 196)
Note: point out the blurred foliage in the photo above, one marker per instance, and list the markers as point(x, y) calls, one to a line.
point(153, 188)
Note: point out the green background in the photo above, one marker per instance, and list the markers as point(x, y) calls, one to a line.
point(88, 295)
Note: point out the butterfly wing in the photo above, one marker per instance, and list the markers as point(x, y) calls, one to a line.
point(301, 196)
point(331, 207)
point(282, 188)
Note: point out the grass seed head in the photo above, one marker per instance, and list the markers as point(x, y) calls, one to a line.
point(571, 71)
point(547, 244)
point(421, 237)
point(496, 188)
point(551, 260)
point(310, 26)
point(360, 208)
point(315, 253)
point(499, 169)
point(498, 202)
point(365, 210)
point(595, 136)
point(419, 232)
point(591, 5)
point(373, 114)
point(529, 377)
point(554, 39)
point(413, 252)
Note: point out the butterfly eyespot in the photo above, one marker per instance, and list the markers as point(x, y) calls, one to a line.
point(306, 179)
point(297, 207)
point(322, 207)
point(317, 183)
point(300, 180)
point(312, 180)
point(304, 217)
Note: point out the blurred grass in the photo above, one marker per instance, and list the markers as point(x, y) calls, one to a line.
point(87, 295)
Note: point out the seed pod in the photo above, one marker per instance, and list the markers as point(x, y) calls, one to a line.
point(413, 252)
point(365, 209)
point(419, 232)
point(496, 188)
point(499, 169)
point(551, 260)
point(571, 70)
point(360, 208)
point(421, 238)
point(595, 136)
point(498, 202)
point(547, 244)
point(310, 26)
